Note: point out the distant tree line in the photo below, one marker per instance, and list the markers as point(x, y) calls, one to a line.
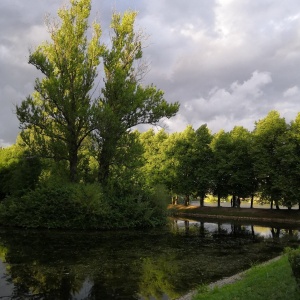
point(264, 163)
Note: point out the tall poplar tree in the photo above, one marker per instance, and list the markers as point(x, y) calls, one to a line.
point(125, 102)
point(59, 112)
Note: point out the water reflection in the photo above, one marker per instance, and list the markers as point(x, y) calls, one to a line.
point(267, 231)
point(159, 263)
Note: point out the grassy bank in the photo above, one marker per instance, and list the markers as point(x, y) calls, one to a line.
point(255, 214)
point(265, 282)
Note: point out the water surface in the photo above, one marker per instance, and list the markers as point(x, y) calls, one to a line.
point(161, 263)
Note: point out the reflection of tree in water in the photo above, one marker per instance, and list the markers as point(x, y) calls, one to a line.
point(284, 234)
point(275, 232)
point(158, 277)
point(187, 227)
point(117, 265)
point(102, 266)
point(45, 281)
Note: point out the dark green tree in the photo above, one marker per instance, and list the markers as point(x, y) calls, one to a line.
point(242, 181)
point(269, 154)
point(203, 163)
point(221, 145)
point(154, 156)
point(19, 171)
point(290, 151)
point(181, 155)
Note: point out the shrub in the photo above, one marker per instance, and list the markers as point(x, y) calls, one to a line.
point(294, 260)
point(141, 208)
point(80, 206)
point(70, 206)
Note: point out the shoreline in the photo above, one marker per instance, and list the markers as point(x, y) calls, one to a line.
point(238, 218)
point(289, 217)
point(226, 280)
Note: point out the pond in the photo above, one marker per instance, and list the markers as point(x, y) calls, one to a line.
point(161, 263)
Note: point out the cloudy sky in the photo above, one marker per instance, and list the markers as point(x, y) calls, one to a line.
point(228, 62)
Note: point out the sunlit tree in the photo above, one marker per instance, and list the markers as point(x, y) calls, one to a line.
point(59, 111)
point(124, 101)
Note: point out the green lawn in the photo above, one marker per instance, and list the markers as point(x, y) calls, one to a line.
point(266, 282)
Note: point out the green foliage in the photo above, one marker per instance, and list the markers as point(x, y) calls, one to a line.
point(125, 102)
point(183, 154)
point(273, 156)
point(57, 117)
point(136, 205)
point(154, 145)
point(242, 181)
point(294, 260)
point(221, 145)
point(19, 171)
point(204, 163)
point(54, 206)
point(78, 206)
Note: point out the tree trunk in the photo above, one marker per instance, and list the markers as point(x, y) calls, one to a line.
point(187, 200)
point(103, 172)
point(252, 198)
point(104, 161)
point(202, 200)
point(232, 202)
point(173, 200)
point(73, 162)
point(271, 204)
point(277, 205)
point(219, 200)
point(238, 202)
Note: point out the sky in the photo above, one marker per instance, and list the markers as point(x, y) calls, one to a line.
point(227, 62)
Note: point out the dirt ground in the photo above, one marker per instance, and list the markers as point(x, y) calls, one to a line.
point(255, 214)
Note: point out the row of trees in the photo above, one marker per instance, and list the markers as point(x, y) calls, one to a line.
point(264, 163)
point(239, 163)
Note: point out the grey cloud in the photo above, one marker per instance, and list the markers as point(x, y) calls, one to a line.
point(227, 62)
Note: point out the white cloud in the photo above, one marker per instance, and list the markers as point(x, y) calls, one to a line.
point(224, 108)
point(290, 92)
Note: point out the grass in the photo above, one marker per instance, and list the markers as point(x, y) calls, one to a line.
point(256, 214)
point(266, 282)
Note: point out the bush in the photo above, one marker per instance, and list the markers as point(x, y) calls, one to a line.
point(19, 171)
point(294, 260)
point(80, 206)
point(71, 206)
point(141, 208)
